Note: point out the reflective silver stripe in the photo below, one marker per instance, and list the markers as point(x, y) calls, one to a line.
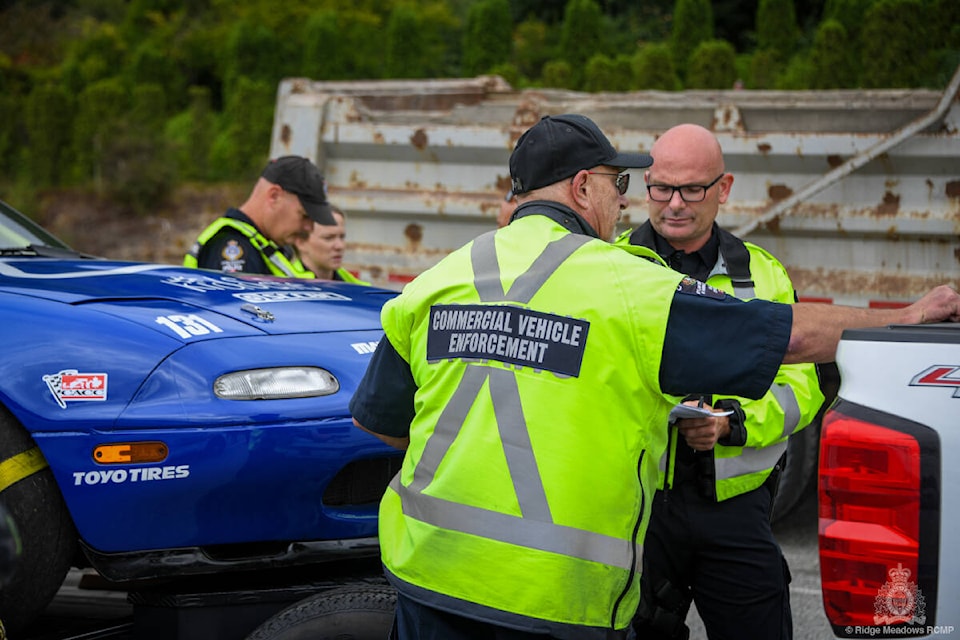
point(517, 447)
point(486, 269)
point(448, 427)
point(787, 398)
point(521, 531)
point(750, 460)
point(535, 528)
point(744, 293)
point(739, 291)
point(282, 263)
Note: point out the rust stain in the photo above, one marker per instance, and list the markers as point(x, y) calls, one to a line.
point(764, 148)
point(771, 226)
point(834, 161)
point(504, 184)
point(378, 138)
point(953, 189)
point(419, 139)
point(414, 235)
point(285, 135)
point(890, 204)
point(778, 192)
point(356, 182)
point(885, 284)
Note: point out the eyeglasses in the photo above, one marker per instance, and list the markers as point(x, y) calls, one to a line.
point(622, 181)
point(688, 192)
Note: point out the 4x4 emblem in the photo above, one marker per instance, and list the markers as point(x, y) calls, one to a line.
point(939, 375)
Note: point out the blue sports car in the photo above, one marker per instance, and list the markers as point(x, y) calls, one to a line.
point(159, 421)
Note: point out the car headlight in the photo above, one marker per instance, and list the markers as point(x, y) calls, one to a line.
point(276, 383)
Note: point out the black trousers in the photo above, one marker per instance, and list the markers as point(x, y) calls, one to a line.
point(723, 556)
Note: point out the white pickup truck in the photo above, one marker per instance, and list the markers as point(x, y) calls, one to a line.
point(889, 485)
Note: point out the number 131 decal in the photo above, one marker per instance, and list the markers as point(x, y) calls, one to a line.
point(188, 325)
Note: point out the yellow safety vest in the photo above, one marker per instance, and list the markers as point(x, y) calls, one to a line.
point(278, 263)
point(539, 423)
point(791, 403)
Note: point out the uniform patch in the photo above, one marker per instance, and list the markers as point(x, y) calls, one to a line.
point(693, 287)
point(232, 251)
point(507, 334)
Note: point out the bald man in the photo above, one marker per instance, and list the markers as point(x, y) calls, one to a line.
point(709, 539)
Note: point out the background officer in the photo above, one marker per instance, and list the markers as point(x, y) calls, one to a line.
point(287, 199)
point(321, 251)
point(710, 538)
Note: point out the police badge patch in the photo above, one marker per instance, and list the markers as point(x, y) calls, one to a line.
point(693, 287)
point(232, 254)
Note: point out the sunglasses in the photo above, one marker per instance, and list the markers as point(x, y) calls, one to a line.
point(622, 181)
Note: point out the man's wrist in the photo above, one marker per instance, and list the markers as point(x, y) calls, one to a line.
point(737, 437)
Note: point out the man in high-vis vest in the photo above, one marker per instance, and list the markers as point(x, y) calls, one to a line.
point(288, 198)
point(529, 376)
point(709, 538)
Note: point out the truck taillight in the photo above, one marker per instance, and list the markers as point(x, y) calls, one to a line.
point(870, 514)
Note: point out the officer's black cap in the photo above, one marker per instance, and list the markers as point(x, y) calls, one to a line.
point(301, 177)
point(558, 147)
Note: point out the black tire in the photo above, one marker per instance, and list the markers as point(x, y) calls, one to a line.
point(361, 612)
point(803, 452)
point(46, 531)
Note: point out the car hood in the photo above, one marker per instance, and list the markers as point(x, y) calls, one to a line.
point(145, 292)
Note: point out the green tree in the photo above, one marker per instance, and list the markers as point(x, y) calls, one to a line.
point(137, 168)
point(337, 45)
point(833, 65)
point(532, 47)
point(712, 66)
point(692, 24)
point(190, 134)
point(406, 50)
point(894, 44)
point(653, 68)
point(557, 73)
point(604, 74)
point(581, 36)
point(797, 75)
point(242, 146)
point(777, 28)
point(764, 67)
point(486, 37)
point(419, 41)
point(100, 107)
point(49, 123)
point(849, 13)
point(98, 55)
point(254, 52)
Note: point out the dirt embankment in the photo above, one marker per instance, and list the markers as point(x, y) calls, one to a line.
point(104, 229)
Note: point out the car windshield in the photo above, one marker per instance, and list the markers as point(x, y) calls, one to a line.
point(19, 232)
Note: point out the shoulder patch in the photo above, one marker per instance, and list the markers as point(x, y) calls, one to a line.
point(693, 287)
point(232, 251)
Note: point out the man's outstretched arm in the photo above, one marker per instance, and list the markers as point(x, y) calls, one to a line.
point(817, 327)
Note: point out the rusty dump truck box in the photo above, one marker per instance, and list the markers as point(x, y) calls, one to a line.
point(857, 192)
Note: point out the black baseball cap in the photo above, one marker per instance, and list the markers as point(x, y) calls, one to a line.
point(301, 177)
point(558, 147)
